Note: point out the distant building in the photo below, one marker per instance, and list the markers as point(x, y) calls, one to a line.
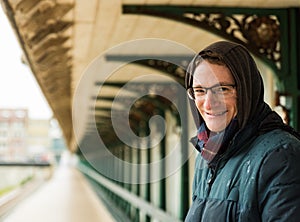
point(38, 139)
point(58, 144)
point(13, 133)
point(22, 138)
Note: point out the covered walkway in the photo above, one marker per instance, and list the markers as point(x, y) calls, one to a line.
point(108, 69)
point(67, 196)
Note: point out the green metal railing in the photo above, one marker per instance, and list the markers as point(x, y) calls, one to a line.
point(123, 196)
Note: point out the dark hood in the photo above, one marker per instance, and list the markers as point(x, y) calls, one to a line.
point(253, 112)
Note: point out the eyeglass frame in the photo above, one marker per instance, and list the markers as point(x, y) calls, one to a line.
point(191, 92)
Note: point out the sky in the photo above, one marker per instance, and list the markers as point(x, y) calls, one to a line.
point(18, 86)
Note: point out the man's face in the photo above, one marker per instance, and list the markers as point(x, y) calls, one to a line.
point(217, 104)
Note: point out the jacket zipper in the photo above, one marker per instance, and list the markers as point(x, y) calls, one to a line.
point(212, 177)
point(214, 170)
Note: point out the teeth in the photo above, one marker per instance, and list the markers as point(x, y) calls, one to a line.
point(217, 114)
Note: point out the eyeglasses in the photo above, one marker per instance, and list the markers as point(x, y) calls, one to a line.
point(221, 91)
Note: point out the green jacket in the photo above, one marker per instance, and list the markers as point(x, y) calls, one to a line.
point(259, 182)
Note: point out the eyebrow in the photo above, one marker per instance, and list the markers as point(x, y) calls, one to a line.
point(218, 84)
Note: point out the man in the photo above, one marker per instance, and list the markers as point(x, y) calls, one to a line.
point(248, 167)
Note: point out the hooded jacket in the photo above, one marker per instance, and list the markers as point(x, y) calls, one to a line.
point(257, 177)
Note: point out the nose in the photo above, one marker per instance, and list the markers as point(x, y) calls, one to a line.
point(210, 100)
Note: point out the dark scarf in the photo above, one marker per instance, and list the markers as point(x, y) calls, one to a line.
point(210, 144)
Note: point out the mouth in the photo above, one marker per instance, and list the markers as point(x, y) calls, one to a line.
point(216, 114)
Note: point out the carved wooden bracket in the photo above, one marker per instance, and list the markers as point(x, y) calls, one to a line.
point(257, 29)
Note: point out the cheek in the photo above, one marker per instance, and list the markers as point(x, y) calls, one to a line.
point(233, 107)
point(198, 105)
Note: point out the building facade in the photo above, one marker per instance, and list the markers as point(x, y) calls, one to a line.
point(13, 133)
point(26, 139)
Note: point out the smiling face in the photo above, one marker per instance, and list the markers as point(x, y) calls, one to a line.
point(217, 111)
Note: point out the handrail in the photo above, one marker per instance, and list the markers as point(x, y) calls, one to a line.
point(25, 164)
point(11, 199)
point(130, 197)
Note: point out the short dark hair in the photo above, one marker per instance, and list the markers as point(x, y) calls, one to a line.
point(207, 55)
point(211, 57)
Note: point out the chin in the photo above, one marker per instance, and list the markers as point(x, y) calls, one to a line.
point(216, 127)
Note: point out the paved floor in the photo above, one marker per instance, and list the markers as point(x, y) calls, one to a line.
point(67, 197)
